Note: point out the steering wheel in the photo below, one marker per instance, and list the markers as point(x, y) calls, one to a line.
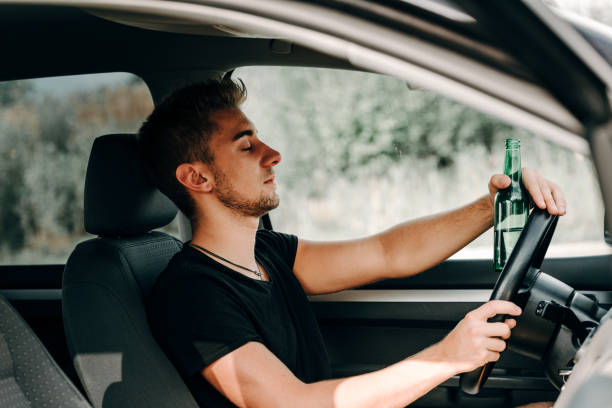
point(528, 252)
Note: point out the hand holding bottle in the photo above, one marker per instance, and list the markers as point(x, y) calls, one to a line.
point(511, 207)
point(544, 193)
point(510, 195)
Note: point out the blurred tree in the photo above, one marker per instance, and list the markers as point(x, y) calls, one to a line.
point(44, 147)
point(373, 123)
point(56, 123)
point(13, 91)
point(11, 186)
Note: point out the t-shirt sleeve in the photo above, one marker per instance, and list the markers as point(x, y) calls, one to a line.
point(205, 323)
point(284, 246)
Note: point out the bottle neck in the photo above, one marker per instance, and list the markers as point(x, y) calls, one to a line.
point(512, 164)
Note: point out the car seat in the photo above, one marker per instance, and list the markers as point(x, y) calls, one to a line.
point(29, 377)
point(108, 279)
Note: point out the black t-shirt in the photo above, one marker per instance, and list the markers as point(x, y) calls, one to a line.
point(201, 310)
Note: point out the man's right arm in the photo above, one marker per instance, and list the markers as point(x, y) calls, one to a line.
point(251, 376)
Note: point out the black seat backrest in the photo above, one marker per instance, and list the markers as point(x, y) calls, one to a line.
point(29, 377)
point(108, 279)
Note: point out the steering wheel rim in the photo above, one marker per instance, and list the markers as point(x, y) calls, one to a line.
point(528, 252)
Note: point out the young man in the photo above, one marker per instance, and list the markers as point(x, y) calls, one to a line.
point(231, 309)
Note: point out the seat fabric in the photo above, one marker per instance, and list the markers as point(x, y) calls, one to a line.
point(29, 377)
point(108, 279)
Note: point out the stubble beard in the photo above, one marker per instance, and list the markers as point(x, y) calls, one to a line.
point(232, 199)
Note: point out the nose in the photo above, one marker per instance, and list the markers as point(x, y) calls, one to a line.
point(270, 157)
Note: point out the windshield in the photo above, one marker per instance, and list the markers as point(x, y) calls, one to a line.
point(592, 18)
point(598, 10)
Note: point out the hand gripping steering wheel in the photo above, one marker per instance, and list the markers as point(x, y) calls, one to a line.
point(528, 252)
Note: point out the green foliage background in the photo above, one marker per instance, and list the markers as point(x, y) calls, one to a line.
point(44, 147)
point(361, 152)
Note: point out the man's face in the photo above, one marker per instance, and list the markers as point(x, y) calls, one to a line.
point(242, 167)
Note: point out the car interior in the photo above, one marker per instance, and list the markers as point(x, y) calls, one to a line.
point(83, 322)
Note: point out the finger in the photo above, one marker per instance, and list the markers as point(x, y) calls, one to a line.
point(495, 307)
point(500, 330)
point(559, 198)
point(498, 182)
point(548, 198)
point(495, 345)
point(511, 323)
point(492, 356)
point(531, 184)
point(547, 404)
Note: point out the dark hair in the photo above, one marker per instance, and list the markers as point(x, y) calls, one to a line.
point(178, 131)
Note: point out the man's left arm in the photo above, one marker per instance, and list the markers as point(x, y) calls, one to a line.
point(411, 247)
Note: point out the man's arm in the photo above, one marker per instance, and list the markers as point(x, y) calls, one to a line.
point(251, 376)
point(412, 247)
point(403, 250)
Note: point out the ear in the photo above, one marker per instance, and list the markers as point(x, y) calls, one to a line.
point(195, 177)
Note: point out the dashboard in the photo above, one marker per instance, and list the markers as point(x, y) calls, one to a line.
point(590, 382)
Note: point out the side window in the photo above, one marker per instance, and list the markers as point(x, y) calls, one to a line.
point(363, 152)
point(47, 127)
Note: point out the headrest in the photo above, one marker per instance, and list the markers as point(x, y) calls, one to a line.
point(119, 198)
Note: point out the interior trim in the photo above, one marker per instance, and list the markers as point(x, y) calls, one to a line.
point(425, 296)
point(574, 41)
point(32, 294)
point(406, 295)
point(353, 295)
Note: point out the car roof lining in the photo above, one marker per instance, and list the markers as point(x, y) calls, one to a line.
point(57, 48)
point(71, 41)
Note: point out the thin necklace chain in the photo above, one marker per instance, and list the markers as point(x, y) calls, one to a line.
point(256, 272)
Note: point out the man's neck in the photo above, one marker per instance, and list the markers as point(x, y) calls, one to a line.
point(231, 237)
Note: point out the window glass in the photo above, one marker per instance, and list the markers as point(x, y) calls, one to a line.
point(363, 152)
point(47, 127)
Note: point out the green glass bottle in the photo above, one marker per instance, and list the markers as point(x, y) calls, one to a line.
point(511, 206)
